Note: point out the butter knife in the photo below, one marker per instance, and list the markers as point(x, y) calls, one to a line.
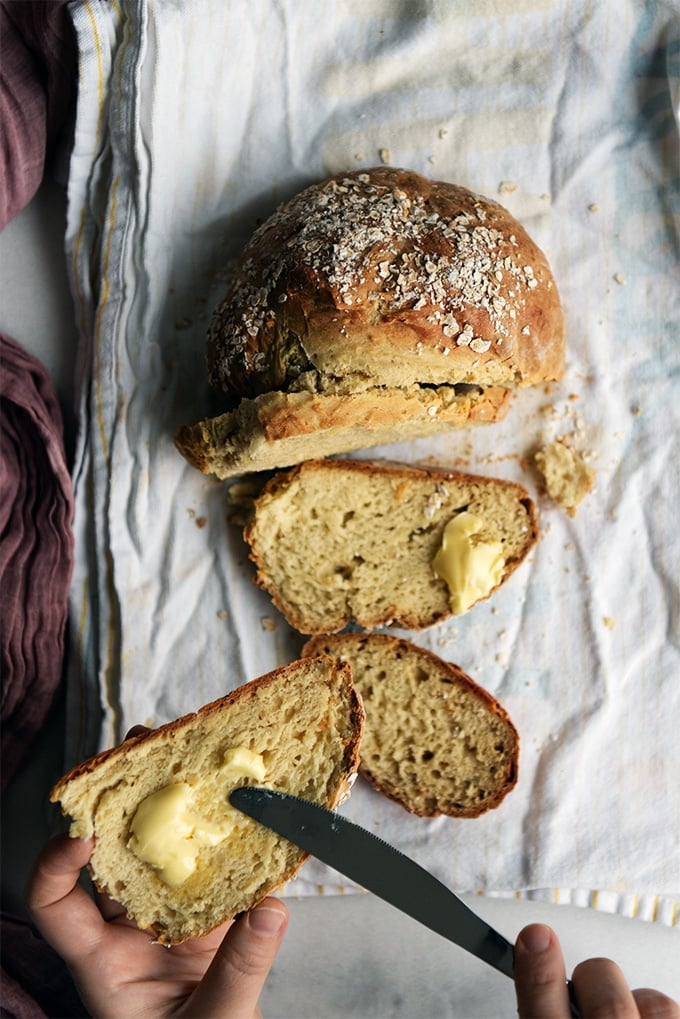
point(381, 869)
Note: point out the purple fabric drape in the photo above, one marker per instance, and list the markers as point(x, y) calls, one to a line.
point(38, 82)
point(36, 550)
point(38, 63)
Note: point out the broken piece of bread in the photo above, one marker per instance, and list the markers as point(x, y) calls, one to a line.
point(566, 475)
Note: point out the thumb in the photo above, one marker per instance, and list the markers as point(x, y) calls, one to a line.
point(233, 983)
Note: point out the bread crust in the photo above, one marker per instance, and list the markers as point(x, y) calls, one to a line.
point(339, 475)
point(274, 430)
point(446, 672)
point(90, 778)
point(383, 276)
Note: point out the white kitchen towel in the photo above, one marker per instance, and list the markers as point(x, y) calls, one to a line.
point(195, 119)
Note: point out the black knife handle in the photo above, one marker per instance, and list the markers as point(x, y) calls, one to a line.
point(573, 1004)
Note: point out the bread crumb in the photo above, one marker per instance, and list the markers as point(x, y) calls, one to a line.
point(636, 410)
point(618, 278)
point(385, 156)
point(223, 614)
point(506, 187)
point(268, 624)
point(443, 132)
point(567, 477)
point(609, 622)
point(593, 207)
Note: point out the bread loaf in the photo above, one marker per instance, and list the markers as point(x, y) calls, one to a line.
point(296, 729)
point(336, 541)
point(354, 300)
point(434, 740)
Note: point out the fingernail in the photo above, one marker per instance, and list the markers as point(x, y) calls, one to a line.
point(535, 938)
point(266, 920)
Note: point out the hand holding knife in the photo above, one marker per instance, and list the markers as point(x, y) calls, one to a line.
point(381, 869)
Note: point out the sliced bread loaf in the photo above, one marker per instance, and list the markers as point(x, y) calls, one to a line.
point(373, 307)
point(336, 541)
point(169, 846)
point(434, 740)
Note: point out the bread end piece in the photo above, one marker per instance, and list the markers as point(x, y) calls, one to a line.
point(304, 719)
point(278, 430)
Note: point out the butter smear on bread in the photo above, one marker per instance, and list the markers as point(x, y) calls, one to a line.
point(168, 831)
point(471, 567)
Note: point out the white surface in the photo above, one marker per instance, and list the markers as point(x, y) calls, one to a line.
point(343, 956)
point(357, 956)
point(580, 646)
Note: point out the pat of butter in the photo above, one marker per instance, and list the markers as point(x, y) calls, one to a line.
point(245, 762)
point(168, 832)
point(470, 567)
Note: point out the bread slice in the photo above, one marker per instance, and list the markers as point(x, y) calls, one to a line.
point(377, 295)
point(304, 720)
point(434, 740)
point(336, 541)
point(281, 429)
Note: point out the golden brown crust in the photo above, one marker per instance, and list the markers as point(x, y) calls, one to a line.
point(339, 475)
point(447, 672)
point(274, 430)
point(170, 729)
point(385, 275)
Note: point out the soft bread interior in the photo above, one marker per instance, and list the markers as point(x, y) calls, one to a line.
point(304, 720)
point(434, 740)
point(336, 541)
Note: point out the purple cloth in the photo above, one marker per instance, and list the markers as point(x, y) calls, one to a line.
point(38, 81)
point(36, 551)
point(28, 961)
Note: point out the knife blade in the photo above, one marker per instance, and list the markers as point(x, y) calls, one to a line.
point(376, 866)
point(380, 868)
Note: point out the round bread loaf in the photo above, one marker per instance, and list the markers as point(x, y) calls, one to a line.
point(384, 278)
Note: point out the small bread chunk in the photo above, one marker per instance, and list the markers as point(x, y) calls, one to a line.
point(303, 722)
point(566, 475)
point(336, 541)
point(373, 307)
point(434, 740)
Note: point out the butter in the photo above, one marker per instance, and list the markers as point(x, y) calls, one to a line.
point(245, 762)
point(168, 831)
point(469, 566)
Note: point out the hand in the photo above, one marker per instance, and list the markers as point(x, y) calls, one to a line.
point(119, 970)
point(599, 984)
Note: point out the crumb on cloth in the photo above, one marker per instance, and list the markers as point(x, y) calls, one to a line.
point(566, 475)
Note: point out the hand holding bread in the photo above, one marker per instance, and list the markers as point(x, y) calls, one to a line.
point(120, 971)
point(168, 845)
